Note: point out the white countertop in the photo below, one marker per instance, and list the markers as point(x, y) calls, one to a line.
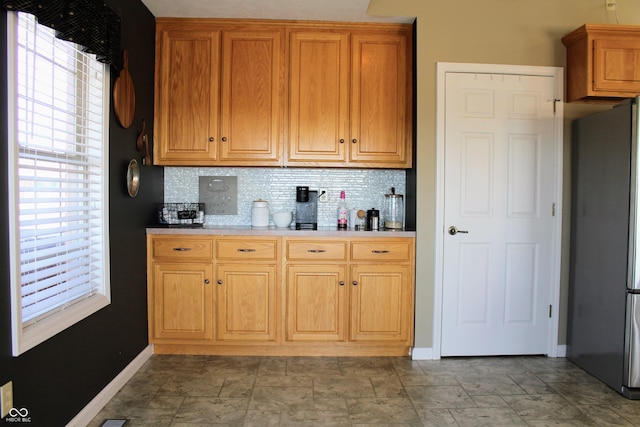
point(235, 230)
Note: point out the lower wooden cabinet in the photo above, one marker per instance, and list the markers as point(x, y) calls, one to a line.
point(246, 302)
point(365, 297)
point(180, 293)
point(247, 271)
point(317, 304)
point(381, 303)
point(182, 301)
point(281, 295)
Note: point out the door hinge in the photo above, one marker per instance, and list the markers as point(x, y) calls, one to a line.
point(553, 209)
point(550, 310)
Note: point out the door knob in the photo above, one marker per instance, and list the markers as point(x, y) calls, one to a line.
point(453, 230)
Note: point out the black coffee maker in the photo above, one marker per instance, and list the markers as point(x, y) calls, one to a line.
point(306, 209)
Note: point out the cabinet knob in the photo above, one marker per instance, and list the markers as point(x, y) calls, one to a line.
point(206, 281)
point(342, 283)
point(354, 140)
point(211, 139)
point(341, 140)
point(224, 139)
point(220, 282)
point(355, 283)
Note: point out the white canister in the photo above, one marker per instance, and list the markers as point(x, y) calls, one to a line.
point(260, 213)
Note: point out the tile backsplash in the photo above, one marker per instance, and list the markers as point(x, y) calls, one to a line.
point(364, 188)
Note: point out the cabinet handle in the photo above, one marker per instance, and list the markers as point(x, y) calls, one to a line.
point(181, 249)
point(355, 283)
point(379, 251)
point(341, 140)
point(211, 139)
point(224, 139)
point(206, 281)
point(219, 281)
point(246, 250)
point(354, 140)
point(316, 251)
point(342, 283)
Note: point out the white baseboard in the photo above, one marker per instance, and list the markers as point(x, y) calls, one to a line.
point(561, 351)
point(426, 353)
point(89, 412)
point(423, 353)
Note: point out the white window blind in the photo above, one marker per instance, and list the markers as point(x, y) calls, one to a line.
point(59, 97)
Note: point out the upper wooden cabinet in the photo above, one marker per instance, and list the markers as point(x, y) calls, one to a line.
point(603, 63)
point(350, 98)
point(276, 93)
point(252, 84)
point(380, 100)
point(218, 94)
point(318, 108)
point(187, 96)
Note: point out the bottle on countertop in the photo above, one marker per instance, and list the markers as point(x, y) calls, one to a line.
point(373, 219)
point(343, 212)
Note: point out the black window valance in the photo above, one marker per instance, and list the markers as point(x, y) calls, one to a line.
point(89, 23)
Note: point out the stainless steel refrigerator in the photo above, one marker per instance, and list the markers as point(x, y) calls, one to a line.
point(604, 278)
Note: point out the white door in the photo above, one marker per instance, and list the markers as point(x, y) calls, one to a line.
point(499, 195)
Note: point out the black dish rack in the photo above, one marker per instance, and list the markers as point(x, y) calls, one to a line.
point(181, 214)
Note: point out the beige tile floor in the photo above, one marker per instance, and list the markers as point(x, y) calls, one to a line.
point(191, 391)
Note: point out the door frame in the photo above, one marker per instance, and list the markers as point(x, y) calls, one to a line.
point(557, 73)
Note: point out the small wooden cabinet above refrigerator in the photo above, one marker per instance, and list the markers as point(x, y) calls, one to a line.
point(603, 63)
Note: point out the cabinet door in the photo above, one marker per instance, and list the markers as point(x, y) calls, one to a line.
point(246, 302)
point(616, 66)
point(381, 303)
point(316, 303)
point(181, 302)
point(379, 100)
point(252, 87)
point(318, 97)
point(187, 98)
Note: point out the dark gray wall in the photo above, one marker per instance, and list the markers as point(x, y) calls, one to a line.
point(56, 379)
point(411, 216)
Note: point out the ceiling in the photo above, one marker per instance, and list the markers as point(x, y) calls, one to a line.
point(316, 10)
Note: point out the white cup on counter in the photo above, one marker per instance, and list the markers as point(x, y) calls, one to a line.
point(282, 219)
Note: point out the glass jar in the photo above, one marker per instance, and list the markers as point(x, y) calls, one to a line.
point(393, 214)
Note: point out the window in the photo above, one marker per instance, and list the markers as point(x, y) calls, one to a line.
point(58, 165)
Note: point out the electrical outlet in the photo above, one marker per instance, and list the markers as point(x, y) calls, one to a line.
point(6, 396)
point(323, 196)
point(610, 5)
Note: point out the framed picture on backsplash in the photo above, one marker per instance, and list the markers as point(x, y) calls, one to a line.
point(219, 194)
